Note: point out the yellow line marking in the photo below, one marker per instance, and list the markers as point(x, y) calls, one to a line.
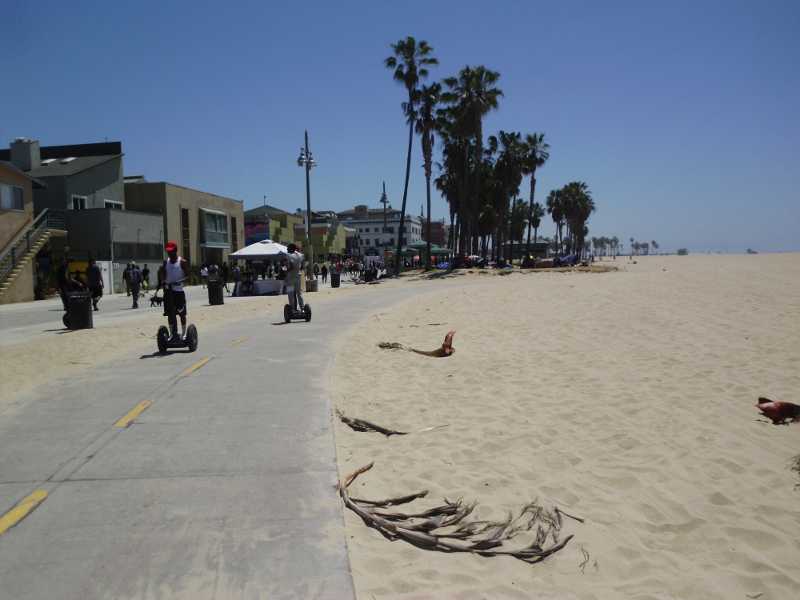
point(21, 510)
point(137, 410)
point(195, 366)
point(238, 341)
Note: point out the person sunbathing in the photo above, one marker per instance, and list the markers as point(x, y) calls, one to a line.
point(779, 412)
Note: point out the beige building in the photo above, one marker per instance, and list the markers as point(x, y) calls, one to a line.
point(206, 227)
point(20, 239)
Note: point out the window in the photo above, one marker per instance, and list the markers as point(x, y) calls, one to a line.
point(234, 235)
point(115, 204)
point(11, 197)
point(78, 202)
point(215, 227)
point(185, 238)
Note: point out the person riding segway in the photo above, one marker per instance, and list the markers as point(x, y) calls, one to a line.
point(296, 309)
point(171, 276)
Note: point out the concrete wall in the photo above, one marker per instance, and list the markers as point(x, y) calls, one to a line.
point(21, 289)
point(13, 221)
point(136, 235)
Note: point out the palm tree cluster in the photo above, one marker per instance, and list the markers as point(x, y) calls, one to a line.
point(639, 248)
point(605, 246)
point(570, 208)
point(480, 179)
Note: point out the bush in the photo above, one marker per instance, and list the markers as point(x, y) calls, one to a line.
point(682, 252)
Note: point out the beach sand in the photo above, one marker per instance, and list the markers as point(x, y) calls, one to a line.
point(624, 398)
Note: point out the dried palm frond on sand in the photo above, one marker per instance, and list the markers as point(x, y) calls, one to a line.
point(445, 528)
point(446, 349)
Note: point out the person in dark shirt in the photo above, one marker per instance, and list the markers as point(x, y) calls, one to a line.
point(95, 277)
point(146, 278)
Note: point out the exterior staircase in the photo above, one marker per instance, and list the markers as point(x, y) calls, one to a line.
point(26, 245)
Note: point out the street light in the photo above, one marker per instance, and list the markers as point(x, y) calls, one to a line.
point(307, 160)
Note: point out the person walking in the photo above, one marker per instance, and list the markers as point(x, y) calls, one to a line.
point(126, 278)
point(324, 273)
point(316, 271)
point(135, 280)
point(237, 278)
point(95, 279)
point(203, 275)
point(225, 271)
point(146, 278)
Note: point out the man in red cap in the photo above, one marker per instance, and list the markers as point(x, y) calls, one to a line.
point(171, 276)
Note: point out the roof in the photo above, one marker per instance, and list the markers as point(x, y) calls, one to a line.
point(369, 214)
point(16, 169)
point(81, 163)
point(100, 149)
point(270, 211)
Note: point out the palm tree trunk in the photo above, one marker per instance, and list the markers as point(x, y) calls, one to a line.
point(428, 260)
point(400, 232)
point(530, 212)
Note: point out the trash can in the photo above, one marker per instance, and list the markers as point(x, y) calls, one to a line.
point(335, 278)
point(215, 288)
point(79, 311)
point(311, 285)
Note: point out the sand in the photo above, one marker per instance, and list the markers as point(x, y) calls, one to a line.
point(625, 398)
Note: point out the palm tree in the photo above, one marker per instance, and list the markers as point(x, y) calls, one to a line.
point(535, 220)
point(538, 153)
point(632, 246)
point(472, 95)
point(615, 246)
point(578, 206)
point(409, 65)
point(654, 244)
point(426, 124)
point(555, 207)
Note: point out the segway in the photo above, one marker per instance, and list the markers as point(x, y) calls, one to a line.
point(167, 342)
point(290, 311)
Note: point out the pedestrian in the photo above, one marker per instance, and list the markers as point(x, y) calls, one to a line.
point(135, 279)
point(146, 278)
point(324, 273)
point(126, 278)
point(203, 275)
point(95, 277)
point(66, 282)
point(316, 271)
point(225, 271)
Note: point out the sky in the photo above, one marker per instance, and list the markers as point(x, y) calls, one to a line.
point(682, 117)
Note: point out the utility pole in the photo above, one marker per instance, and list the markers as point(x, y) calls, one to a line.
point(384, 200)
point(306, 160)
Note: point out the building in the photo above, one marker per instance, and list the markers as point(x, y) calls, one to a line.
point(20, 237)
point(328, 235)
point(268, 222)
point(75, 177)
point(206, 227)
point(378, 228)
point(439, 233)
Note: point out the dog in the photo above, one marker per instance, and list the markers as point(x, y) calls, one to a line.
point(156, 300)
point(778, 412)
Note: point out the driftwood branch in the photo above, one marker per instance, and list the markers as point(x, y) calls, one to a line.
point(362, 425)
point(446, 349)
point(486, 538)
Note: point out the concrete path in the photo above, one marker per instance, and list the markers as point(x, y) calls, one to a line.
point(223, 487)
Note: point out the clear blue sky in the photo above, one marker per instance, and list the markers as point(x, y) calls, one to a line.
point(681, 116)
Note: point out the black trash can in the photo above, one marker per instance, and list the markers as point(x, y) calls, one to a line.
point(215, 288)
point(335, 279)
point(79, 311)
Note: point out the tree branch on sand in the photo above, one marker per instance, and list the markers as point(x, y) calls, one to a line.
point(445, 528)
point(362, 425)
point(446, 349)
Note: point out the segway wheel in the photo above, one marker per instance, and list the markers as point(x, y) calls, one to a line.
point(191, 337)
point(287, 313)
point(307, 313)
point(65, 320)
point(162, 338)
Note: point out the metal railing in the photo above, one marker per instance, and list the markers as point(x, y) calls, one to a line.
point(26, 239)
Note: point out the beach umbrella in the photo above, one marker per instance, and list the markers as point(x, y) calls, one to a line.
point(260, 250)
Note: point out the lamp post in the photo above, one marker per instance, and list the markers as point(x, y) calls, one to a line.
point(111, 274)
point(307, 160)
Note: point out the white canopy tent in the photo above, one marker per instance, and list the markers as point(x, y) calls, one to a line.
point(259, 251)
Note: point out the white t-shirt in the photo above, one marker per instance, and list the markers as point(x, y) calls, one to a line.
point(174, 274)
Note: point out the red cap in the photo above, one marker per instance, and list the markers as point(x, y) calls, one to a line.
point(171, 247)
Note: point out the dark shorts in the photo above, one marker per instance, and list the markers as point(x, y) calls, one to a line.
point(174, 301)
point(97, 292)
